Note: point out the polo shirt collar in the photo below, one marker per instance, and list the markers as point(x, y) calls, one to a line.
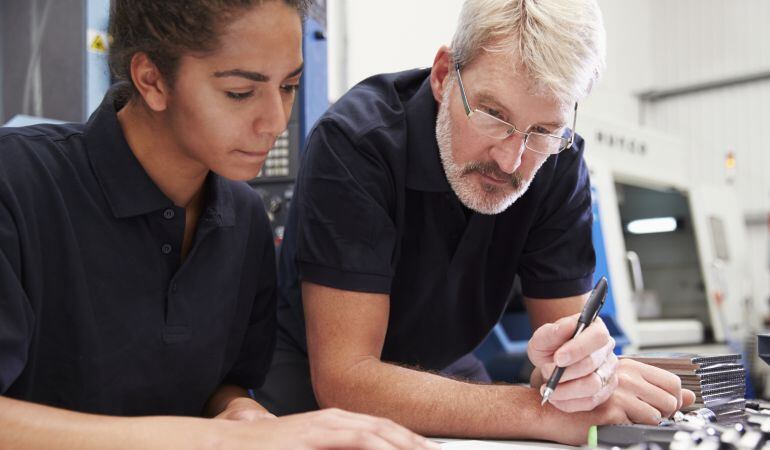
point(219, 201)
point(424, 169)
point(127, 187)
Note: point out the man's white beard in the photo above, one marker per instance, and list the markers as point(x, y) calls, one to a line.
point(482, 198)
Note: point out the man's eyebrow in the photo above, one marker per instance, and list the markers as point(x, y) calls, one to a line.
point(488, 98)
point(552, 124)
point(254, 76)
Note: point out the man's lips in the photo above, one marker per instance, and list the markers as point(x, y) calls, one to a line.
point(493, 179)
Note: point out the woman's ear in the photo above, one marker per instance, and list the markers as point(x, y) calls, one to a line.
point(149, 82)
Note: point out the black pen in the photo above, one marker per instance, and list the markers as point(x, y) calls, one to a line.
point(590, 311)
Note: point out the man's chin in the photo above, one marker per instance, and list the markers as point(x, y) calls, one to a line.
point(490, 200)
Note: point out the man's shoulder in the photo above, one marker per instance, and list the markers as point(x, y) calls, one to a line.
point(378, 102)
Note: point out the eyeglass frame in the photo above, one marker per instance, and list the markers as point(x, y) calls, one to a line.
point(469, 112)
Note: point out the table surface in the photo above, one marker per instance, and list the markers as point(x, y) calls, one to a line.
point(466, 444)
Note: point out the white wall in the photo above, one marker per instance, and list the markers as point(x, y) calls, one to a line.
point(629, 37)
point(700, 40)
point(387, 36)
point(710, 40)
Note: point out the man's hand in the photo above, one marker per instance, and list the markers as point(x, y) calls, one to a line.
point(245, 409)
point(589, 378)
point(593, 374)
point(648, 393)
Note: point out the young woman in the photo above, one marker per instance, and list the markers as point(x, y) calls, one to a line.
point(136, 272)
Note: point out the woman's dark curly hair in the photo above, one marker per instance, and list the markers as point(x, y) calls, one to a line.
point(167, 29)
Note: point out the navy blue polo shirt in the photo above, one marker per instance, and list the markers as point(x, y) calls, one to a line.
point(97, 311)
point(374, 212)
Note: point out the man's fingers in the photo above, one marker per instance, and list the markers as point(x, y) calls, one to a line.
point(663, 401)
point(587, 386)
point(659, 388)
point(599, 358)
point(688, 398)
point(641, 412)
point(549, 337)
point(570, 397)
point(593, 338)
point(665, 380)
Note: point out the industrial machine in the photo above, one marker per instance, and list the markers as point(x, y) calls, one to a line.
point(683, 243)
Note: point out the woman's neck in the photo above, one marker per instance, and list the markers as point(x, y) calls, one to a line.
point(177, 175)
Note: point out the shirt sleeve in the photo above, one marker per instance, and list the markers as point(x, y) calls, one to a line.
point(346, 236)
point(16, 314)
point(558, 258)
point(258, 344)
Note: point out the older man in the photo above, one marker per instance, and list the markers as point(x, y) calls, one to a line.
point(421, 196)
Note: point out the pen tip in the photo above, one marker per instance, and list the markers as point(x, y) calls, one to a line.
point(546, 396)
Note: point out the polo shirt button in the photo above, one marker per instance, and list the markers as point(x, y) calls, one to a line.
point(173, 287)
point(166, 249)
point(168, 214)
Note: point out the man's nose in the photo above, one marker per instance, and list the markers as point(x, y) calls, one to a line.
point(508, 152)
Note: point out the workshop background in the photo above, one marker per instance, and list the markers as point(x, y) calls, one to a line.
point(676, 131)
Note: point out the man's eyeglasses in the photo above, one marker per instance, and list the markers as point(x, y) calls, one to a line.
point(491, 126)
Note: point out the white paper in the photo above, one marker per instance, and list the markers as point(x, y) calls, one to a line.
point(482, 445)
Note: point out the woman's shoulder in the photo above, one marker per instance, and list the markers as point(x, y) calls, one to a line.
point(39, 155)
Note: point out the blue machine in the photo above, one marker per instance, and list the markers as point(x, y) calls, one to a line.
point(504, 351)
point(314, 91)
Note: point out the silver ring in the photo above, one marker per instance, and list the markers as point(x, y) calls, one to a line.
point(602, 378)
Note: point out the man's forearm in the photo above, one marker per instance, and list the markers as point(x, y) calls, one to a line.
point(437, 406)
point(223, 396)
point(33, 426)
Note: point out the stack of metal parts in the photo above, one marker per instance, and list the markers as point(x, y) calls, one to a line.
point(719, 382)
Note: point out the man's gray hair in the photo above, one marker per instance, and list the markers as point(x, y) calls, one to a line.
point(560, 44)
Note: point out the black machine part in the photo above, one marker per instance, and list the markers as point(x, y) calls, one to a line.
point(763, 347)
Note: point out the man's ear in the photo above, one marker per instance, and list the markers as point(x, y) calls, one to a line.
point(149, 82)
point(439, 73)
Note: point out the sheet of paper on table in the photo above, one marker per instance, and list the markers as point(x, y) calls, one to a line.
point(486, 445)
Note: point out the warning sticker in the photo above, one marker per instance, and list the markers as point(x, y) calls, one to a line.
point(97, 41)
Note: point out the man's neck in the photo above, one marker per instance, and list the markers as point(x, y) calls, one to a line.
point(177, 175)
